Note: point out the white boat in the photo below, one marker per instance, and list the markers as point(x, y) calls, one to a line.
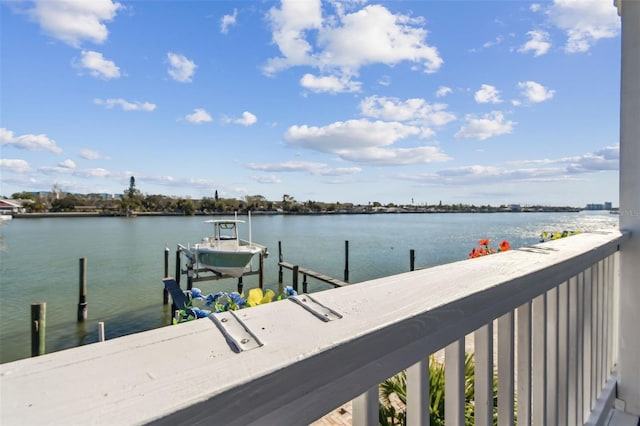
point(225, 252)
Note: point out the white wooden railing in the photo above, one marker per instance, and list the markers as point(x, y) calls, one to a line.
point(553, 306)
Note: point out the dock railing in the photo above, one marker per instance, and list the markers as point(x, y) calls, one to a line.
point(553, 306)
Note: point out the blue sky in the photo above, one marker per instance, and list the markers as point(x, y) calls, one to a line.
point(479, 102)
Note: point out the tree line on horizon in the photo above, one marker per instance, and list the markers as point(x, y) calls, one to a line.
point(133, 200)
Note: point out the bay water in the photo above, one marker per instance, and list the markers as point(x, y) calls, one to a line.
point(39, 260)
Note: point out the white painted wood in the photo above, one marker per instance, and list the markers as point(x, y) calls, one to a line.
point(563, 353)
point(587, 348)
point(523, 365)
point(604, 404)
point(454, 383)
point(580, 344)
point(306, 367)
point(538, 357)
point(365, 408)
point(505, 370)
point(573, 391)
point(552, 357)
point(418, 393)
point(629, 350)
point(599, 329)
point(483, 353)
point(595, 386)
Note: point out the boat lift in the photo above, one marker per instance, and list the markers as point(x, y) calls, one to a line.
point(196, 274)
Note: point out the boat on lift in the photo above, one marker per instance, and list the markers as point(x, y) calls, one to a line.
point(225, 252)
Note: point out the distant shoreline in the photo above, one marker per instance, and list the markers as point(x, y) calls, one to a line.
point(274, 213)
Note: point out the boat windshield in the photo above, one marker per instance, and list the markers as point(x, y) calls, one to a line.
point(226, 231)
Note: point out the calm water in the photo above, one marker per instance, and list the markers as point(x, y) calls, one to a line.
point(125, 260)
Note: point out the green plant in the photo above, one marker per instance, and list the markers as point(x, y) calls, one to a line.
point(395, 388)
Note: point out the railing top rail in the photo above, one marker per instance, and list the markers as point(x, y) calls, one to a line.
point(305, 366)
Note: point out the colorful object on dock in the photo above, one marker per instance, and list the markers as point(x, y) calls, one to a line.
point(217, 302)
point(547, 236)
point(486, 250)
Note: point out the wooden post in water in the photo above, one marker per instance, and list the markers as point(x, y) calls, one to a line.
point(165, 293)
point(280, 277)
point(294, 283)
point(38, 325)
point(189, 276)
point(346, 261)
point(412, 260)
point(178, 266)
point(261, 275)
point(101, 332)
point(240, 284)
point(82, 298)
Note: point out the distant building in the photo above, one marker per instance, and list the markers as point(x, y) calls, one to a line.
point(11, 207)
point(606, 206)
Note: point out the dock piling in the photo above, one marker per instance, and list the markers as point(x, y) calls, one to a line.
point(346, 261)
point(101, 331)
point(38, 325)
point(294, 283)
point(165, 293)
point(82, 298)
point(412, 260)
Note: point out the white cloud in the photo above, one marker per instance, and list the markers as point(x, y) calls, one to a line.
point(415, 111)
point(498, 40)
point(198, 116)
point(89, 154)
point(288, 27)
point(546, 170)
point(535, 7)
point(266, 179)
point(341, 137)
point(342, 43)
point(487, 94)
point(397, 156)
point(227, 21)
point(14, 165)
point(329, 83)
point(312, 168)
point(535, 92)
point(247, 119)
point(125, 105)
point(585, 22)
point(375, 35)
point(607, 158)
point(67, 164)
point(489, 125)
point(74, 21)
point(538, 43)
point(364, 141)
point(29, 142)
point(443, 91)
point(181, 68)
point(97, 65)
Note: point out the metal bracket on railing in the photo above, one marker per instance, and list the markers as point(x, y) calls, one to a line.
point(541, 250)
point(235, 332)
point(316, 308)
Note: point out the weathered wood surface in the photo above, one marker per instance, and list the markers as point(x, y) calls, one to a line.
point(188, 374)
point(313, 274)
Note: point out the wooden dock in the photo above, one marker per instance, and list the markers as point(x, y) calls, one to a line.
point(313, 274)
